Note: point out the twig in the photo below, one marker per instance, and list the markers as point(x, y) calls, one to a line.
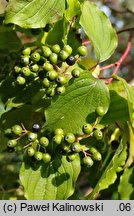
point(119, 62)
point(125, 30)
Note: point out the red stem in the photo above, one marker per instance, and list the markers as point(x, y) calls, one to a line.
point(119, 62)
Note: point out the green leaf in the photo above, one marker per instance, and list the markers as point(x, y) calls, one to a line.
point(129, 5)
point(56, 34)
point(128, 93)
point(54, 181)
point(109, 175)
point(9, 39)
point(99, 30)
point(73, 109)
point(73, 9)
point(34, 14)
point(118, 109)
point(126, 185)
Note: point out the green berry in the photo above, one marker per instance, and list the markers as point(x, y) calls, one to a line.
point(46, 157)
point(56, 48)
point(63, 55)
point(51, 75)
point(97, 156)
point(38, 156)
point(17, 129)
point(93, 150)
point(67, 49)
point(57, 139)
point(88, 161)
point(65, 149)
point(17, 69)
point(12, 143)
point(50, 92)
point(53, 58)
point(59, 131)
point(44, 141)
point(26, 51)
point(30, 151)
point(61, 80)
point(34, 68)
point(75, 73)
point(98, 134)
point(8, 133)
point(25, 60)
point(100, 111)
point(20, 80)
point(70, 138)
point(60, 90)
point(82, 50)
point(72, 157)
point(46, 51)
point(26, 71)
point(35, 57)
point(46, 83)
point(47, 66)
point(32, 136)
point(87, 128)
point(76, 147)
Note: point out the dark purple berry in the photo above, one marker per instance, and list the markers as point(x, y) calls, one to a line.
point(36, 127)
point(71, 60)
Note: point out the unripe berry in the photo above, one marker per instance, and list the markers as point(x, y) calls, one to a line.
point(35, 57)
point(17, 69)
point(76, 147)
point(68, 49)
point(50, 92)
point(46, 51)
point(87, 128)
point(92, 150)
point(60, 90)
point(30, 151)
point(34, 68)
point(100, 111)
point(25, 60)
point(70, 138)
point(52, 75)
point(53, 58)
point(46, 83)
point(26, 71)
point(32, 136)
point(20, 80)
point(75, 73)
point(17, 129)
point(57, 139)
point(63, 55)
point(56, 48)
point(12, 143)
point(46, 157)
point(82, 50)
point(98, 134)
point(59, 131)
point(26, 51)
point(97, 156)
point(47, 66)
point(44, 141)
point(38, 156)
point(8, 133)
point(61, 80)
point(88, 161)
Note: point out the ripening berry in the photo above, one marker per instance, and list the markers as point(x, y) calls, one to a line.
point(36, 127)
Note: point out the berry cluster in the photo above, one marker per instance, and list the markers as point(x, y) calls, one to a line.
point(44, 64)
point(39, 146)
